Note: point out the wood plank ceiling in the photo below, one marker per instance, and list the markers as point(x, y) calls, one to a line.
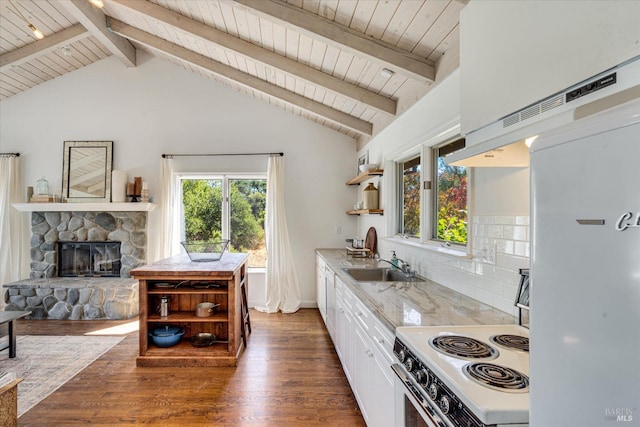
point(324, 60)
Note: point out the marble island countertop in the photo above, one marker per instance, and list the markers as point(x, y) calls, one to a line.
point(423, 303)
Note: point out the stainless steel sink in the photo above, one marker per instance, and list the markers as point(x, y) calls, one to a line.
point(378, 275)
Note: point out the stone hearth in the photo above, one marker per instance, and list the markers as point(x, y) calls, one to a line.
point(74, 298)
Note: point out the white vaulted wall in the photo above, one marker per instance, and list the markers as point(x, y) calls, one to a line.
point(158, 108)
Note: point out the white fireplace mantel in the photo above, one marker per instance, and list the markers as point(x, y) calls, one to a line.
point(84, 207)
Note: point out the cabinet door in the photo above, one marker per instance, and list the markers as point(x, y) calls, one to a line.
point(382, 391)
point(331, 303)
point(373, 380)
point(362, 373)
point(344, 328)
point(321, 295)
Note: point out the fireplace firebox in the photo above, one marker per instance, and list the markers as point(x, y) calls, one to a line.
point(89, 259)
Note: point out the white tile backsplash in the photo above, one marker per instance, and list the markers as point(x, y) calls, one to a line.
point(495, 285)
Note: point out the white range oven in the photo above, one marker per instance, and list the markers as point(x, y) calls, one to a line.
point(463, 376)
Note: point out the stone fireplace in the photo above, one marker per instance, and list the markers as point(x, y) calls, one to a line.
point(49, 228)
point(93, 239)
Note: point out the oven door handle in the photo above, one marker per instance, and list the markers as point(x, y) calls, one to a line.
point(420, 399)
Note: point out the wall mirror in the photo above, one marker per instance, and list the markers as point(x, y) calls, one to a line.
point(87, 171)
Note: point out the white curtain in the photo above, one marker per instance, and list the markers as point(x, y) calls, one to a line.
point(283, 291)
point(13, 239)
point(170, 215)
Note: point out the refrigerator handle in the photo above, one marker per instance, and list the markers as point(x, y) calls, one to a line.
point(590, 221)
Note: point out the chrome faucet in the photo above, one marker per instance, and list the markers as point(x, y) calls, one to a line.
point(404, 266)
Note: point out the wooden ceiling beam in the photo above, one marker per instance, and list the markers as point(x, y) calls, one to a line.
point(43, 47)
point(342, 119)
point(332, 33)
point(94, 20)
point(211, 35)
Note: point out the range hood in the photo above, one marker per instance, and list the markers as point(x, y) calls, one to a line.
point(502, 143)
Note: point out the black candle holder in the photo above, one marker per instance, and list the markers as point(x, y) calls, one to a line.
point(134, 197)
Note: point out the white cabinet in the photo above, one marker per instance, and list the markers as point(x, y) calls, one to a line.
point(495, 88)
point(344, 327)
point(382, 392)
point(329, 277)
point(373, 382)
point(321, 292)
point(363, 371)
point(363, 344)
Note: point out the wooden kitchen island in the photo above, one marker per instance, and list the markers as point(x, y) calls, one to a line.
point(186, 284)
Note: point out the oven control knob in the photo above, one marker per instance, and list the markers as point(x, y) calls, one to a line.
point(434, 392)
point(409, 364)
point(402, 355)
point(422, 377)
point(445, 405)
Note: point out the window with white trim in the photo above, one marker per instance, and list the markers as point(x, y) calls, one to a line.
point(450, 204)
point(443, 217)
point(232, 207)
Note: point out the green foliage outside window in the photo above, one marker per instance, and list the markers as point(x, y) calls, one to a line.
point(202, 204)
point(452, 203)
point(202, 201)
point(411, 198)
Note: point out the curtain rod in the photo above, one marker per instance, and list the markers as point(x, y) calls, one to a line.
point(222, 154)
point(10, 154)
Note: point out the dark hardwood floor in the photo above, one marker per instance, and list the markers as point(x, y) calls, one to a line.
point(289, 375)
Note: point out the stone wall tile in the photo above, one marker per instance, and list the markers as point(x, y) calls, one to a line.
point(27, 292)
point(76, 312)
point(73, 295)
point(34, 301)
point(41, 228)
point(66, 236)
point(97, 297)
point(75, 223)
point(52, 218)
point(82, 235)
point(36, 254)
point(49, 301)
point(85, 295)
point(43, 292)
point(119, 236)
point(36, 218)
point(60, 311)
point(60, 294)
point(91, 312)
point(19, 301)
point(106, 221)
point(97, 235)
point(36, 240)
point(51, 236)
point(139, 238)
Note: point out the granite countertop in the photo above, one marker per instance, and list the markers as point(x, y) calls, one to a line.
point(415, 303)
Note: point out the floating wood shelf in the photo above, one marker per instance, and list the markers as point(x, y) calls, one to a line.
point(365, 176)
point(366, 212)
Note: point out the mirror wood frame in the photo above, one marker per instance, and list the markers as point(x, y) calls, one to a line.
point(87, 167)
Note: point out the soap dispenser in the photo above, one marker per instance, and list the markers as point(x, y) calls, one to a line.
point(394, 259)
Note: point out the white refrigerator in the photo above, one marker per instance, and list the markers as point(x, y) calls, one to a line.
point(585, 272)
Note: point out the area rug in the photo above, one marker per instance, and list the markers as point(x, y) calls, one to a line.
point(45, 363)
